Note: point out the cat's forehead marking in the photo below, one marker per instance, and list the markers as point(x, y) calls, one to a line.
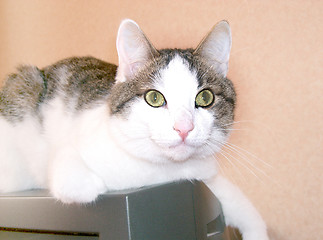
point(178, 83)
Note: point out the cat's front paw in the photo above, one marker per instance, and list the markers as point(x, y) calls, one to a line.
point(77, 189)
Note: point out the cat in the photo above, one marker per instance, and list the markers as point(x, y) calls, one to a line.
point(82, 126)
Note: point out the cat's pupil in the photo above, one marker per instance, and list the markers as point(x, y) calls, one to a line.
point(206, 97)
point(154, 97)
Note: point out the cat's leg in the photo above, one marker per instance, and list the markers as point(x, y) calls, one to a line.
point(69, 178)
point(238, 210)
point(14, 174)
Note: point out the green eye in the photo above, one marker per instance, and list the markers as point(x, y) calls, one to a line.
point(204, 98)
point(155, 98)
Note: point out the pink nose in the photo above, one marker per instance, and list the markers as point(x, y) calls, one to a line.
point(183, 128)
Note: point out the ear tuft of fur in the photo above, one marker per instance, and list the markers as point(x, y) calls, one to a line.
point(216, 46)
point(134, 50)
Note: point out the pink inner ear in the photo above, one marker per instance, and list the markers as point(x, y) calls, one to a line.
point(133, 67)
point(183, 127)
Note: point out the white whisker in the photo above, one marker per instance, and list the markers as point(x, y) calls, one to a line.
point(244, 165)
point(249, 153)
point(241, 155)
point(230, 129)
point(232, 164)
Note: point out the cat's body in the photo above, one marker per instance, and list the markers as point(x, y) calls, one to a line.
point(81, 127)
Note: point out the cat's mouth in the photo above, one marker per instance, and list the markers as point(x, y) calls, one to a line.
point(181, 144)
point(181, 151)
point(177, 150)
point(177, 144)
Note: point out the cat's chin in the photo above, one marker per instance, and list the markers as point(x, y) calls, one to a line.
point(178, 145)
point(176, 150)
point(180, 152)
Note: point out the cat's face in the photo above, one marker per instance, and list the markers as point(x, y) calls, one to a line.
point(175, 106)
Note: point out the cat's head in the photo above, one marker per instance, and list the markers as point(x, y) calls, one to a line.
point(172, 104)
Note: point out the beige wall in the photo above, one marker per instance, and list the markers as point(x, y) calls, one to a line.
point(276, 65)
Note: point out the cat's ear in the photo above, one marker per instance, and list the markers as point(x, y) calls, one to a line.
point(216, 46)
point(134, 50)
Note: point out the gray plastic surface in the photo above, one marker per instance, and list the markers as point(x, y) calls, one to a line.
point(181, 210)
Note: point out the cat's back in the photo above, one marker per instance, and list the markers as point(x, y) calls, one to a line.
point(81, 80)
